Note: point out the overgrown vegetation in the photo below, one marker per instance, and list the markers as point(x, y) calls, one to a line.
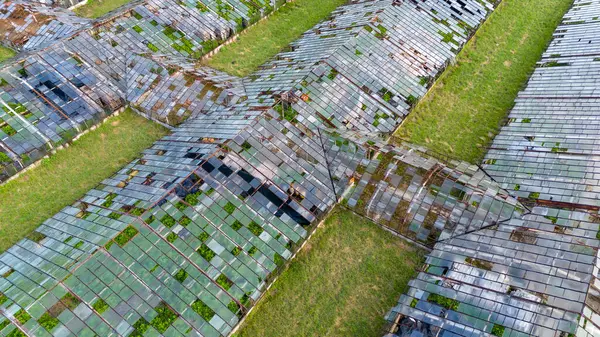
point(67, 175)
point(97, 8)
point(6, 53)
point(126, 235)
point(262, 41)
point(100, 306)
point(166, 317)
point(443, 301)
point(346, 278)
point(203, 310)
point(463, 111)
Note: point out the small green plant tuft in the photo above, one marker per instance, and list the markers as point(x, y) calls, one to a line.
point(224, 282)
point(22, 316)
point(443, 301)
point(181, 275)
point(255, 228)
point(100, 306)
point(126, 235)
point(185, 221)
point(203, 237)
point(498, 330)
point(171, 237)
point(168, 220)
point(236, 225)
point(141, 326)
point(229, 208)
point(206, 252)
point(165, 317)
point(47, 322)
point(203, 310)
point(252, 251)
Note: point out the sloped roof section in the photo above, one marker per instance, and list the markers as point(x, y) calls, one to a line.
point(525, 276)
point(50, 97)
point(142, 55)
point(26, 25)
point(415, 193)
point(535, 272)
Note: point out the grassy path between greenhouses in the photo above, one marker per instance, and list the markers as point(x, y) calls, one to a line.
point(342, 282)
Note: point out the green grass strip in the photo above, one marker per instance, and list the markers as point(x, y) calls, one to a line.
point(346, 278)
point(6, 53)
point(259, 43)
point(67, 175)
point(96, 8)
point(464, 110)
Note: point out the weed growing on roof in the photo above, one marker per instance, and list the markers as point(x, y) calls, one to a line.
point(192, 198)
point(126, 235)
point(278, 259)
point(9, 130)
point(36, 236)
point(141, 326)
point(203, 237)
point(203, 310)
point(414, 302)
point(5, 323)
point(246, 146)
point(479, 263)
point(224, 282)
point(16, 333)
point(171, 237)
point(22, 316)
point(165, 318)
point(443, 301)
point(234, 307)
point(4, 158)
point(181, 275)
point(236, 251)
point(286, 111)
point(109, 200)
point(168, 220)
point(206, 252)
point(229, 208)
point(236, 225)
point(498, 330)
point(100, 306)
point(185, 221)
point(47, 322)
point(70, 301)
point(136, 211)
point(152, 47)
point(255, 228)
point(252, 251)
